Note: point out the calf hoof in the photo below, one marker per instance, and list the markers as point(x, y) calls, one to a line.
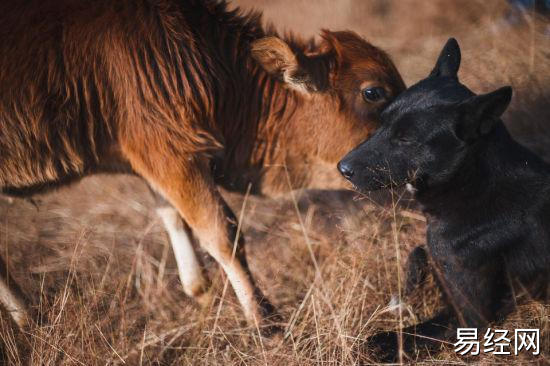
point(271, 319)
point(271, 326)
point(273, 337)
point(201, 292)
point(204, 299)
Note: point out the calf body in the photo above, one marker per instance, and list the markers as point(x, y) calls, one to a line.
point(486, 199)
point(187, 95)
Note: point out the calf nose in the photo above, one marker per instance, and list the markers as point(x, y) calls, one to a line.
point(345, 169)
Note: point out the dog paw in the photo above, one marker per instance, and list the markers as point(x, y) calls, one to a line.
point(384, 346)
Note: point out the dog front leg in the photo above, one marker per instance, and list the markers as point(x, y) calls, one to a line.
point(417, 269)
point(426, 336)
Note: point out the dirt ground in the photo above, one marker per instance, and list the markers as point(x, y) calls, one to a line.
point(97, 264)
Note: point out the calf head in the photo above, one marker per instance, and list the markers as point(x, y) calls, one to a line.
point(427, 132)
point(341, 86)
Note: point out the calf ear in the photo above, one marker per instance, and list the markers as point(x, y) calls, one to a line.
point(481, 113)
point(303, 73)
point(449, 60)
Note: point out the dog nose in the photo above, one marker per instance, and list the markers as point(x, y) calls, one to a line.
point(345, 169)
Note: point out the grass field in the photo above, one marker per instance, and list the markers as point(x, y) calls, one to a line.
point(98, 267)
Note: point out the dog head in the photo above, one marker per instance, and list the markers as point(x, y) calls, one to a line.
point(427, 131)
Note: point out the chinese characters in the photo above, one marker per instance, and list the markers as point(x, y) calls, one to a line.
point(497, 342)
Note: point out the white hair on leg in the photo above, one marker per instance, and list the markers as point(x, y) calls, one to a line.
point(13, 304)
point(189, 268)
point(221, 250)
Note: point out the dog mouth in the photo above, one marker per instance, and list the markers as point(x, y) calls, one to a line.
point(381, 178)
point(373, 184)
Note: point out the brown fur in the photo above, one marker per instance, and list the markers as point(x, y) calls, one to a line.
point(171, 89)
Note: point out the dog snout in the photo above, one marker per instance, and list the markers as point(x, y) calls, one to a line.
point(345, 169)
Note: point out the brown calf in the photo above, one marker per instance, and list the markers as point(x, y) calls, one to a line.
point(187, 95)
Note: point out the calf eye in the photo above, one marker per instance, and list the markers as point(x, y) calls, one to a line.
point(373, 94)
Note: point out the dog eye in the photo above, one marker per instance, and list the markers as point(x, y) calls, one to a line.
point(373, 94)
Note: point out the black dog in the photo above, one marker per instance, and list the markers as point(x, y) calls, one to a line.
point(486, 199)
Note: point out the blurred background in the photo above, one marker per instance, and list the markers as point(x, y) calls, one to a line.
point(97, 263)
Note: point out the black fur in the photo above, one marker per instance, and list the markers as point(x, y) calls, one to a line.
point(486, 199)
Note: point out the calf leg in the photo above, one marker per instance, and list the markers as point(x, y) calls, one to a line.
point(186, 183)
point(189, 267)
point(12, 297)
point(181, 239)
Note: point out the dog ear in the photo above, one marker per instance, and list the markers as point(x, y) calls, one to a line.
point(448, 61)
point(305, 73)
point(481, 113)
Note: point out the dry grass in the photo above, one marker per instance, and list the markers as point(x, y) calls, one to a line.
point(97, 264)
